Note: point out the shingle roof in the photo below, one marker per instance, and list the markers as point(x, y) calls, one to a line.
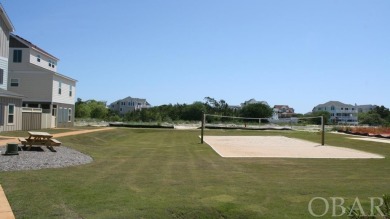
point(6, 93)
point(31, 45)
point(335, 103)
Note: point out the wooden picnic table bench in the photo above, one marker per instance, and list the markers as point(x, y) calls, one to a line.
point(39, 139)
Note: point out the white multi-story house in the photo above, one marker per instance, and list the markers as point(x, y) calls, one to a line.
point(33, 73)
point(10, 102)
point(129, 104)
point(340, 113)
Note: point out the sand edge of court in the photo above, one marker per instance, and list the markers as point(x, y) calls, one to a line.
point(280, 147)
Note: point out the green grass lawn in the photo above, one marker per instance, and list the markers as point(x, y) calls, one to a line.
point(151, 173)
point(51, 131)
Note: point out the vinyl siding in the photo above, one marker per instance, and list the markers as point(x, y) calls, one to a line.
point(4, 51)
point(34, 85)
point(24, 65)
point(44, 61)
point(64, 96)
point(4, 66)
point(4, 39)
point(17, 125)
point(63, 113)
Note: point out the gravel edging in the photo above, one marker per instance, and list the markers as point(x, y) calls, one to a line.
point(42, 158)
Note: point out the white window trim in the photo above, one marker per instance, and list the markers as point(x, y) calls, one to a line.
point(8, 114)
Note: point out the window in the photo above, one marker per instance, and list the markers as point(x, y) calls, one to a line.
point(332, 108)
point(59, 87)
point(346, 108)
point(38, 58)
point(60, 112)
point(69, 115)
point(120, 109)
point(17, 55)
point(70, 90)
point(1, 76)
point(49, 63)
point(1, 113)
point(14, 82)
point(54, 111)
point(11, 113)
point(62, 115)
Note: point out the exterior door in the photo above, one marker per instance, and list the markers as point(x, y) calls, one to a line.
point(54, 117)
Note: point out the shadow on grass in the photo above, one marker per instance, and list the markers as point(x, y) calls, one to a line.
point(207, 212)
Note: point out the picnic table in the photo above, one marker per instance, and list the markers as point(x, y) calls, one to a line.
point(40, 139)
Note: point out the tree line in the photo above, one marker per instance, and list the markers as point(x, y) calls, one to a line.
point(171, 112)
point(379, 116)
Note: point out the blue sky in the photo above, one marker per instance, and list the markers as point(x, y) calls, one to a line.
point(299, 53)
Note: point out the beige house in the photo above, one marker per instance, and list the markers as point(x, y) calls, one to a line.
point(10, 102)
point(33, 73)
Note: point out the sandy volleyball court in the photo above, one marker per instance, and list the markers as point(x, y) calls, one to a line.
point(279, 146)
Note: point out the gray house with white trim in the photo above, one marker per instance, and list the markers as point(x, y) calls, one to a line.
point(129, 104)
point(340, 113)
point(33, 73)
point(10, 102)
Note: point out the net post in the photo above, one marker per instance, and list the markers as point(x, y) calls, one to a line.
point(202, 129)
point(322, 131)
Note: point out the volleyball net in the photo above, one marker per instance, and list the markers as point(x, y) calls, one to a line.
point(310, 124)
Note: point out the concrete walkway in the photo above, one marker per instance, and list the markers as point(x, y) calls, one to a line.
point(5, 208)
point(5, 140)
